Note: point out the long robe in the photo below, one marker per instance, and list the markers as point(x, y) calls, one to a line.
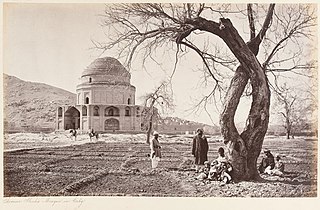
point(155, 148)
point(200, 149)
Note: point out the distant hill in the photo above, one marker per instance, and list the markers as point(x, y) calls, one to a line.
point(178, 121)
point(178, 125)
point(31, 105)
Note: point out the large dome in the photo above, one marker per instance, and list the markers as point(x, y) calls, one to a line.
point(106, 66)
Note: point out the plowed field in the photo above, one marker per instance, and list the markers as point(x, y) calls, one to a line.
point(110, 168)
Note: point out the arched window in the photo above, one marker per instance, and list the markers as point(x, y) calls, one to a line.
point(127, 110)
point(129, 101)
point(111, 111)
point(84, 111)
point(87, 100)
point(60, 112)
point(96, 111)
point(90, 80)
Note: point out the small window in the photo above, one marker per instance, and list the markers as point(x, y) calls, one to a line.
point(127, 111)
point(84, 111)
point(129, 101)
point(87, 100)
point(96, 111)
point(60, 112)
point(90, 80)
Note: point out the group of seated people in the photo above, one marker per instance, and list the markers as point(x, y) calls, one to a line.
point(269, 166)
point(220, 169)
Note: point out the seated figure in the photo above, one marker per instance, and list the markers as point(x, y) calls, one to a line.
point(278, 168)
point(267, 162)
point(220, 168)
point(204, 173)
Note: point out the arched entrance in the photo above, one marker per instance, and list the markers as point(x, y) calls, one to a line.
point(111, 124)
point(71, 118)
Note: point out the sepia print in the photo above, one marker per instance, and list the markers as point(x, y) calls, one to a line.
point(160, 100)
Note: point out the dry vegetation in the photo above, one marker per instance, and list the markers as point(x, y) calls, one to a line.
point(118, 165)
point(33, 104)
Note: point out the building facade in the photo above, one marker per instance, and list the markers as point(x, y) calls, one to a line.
point(105, 100)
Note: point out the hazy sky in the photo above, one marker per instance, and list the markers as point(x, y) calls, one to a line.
point(51, 43)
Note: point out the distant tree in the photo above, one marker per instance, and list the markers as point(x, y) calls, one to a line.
point(296, 107)
point(155, 103)
point(287, 101)
point(279, 32)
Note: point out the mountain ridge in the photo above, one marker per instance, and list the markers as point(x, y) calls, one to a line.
point(31, 106)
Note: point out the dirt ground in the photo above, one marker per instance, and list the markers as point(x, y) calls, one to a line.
point(113, 167)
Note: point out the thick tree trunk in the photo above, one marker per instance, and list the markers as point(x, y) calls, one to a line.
point(243, 150)
point(236, 149)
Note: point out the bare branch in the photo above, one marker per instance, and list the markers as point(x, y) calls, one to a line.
point(251, 22)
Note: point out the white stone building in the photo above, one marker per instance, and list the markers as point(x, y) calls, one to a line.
point(105, 100)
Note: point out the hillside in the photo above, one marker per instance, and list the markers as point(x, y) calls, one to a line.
point(182, 126)
point(32, 105)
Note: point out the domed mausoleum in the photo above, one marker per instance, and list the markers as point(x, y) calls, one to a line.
point(105, 100)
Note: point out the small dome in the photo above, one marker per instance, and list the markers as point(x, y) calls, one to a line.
point(106, 66)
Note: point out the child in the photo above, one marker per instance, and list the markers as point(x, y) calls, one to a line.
point(205, 171)
point(278, 168)
point(213, 173)
point(220, 168)
point(225, 170)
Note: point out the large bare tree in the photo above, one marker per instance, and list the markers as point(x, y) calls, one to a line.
point(278, 32)
point(296, 108)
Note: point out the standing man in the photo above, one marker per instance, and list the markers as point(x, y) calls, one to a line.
point(91, 134)
point(155, 150)
point(200, 149)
